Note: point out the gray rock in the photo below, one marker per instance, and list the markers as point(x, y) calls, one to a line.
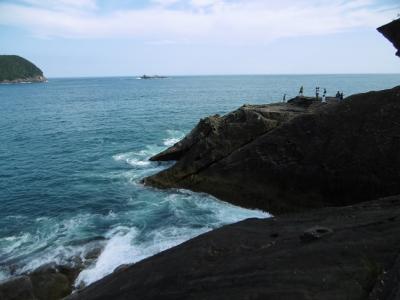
point(52, 281)
point(18, 288)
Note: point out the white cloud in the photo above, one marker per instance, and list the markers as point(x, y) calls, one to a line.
point(199, 21)
point(63, 4)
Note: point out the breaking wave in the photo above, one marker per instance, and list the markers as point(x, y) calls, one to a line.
point(149, 221)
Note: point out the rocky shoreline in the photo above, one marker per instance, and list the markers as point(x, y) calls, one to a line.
point(50, 281)
point(35, 79)
point(318, 246)
point(332, 253)
point(292, 157)
point(315, 166)
point(329, 172)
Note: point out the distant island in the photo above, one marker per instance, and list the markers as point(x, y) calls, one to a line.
point(152, 77)
point(16, 69)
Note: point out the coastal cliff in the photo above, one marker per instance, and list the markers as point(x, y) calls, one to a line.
point(293, 157)
point(16, 69)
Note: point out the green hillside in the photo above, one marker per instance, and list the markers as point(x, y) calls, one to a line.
point(13, 67)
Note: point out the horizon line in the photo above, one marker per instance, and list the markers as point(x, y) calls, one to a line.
point(218, 75)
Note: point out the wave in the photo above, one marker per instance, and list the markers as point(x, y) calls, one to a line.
point(181, 216)
point(174, 137)
point(146, 223)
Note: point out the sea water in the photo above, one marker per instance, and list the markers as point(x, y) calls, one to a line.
point(73, 152)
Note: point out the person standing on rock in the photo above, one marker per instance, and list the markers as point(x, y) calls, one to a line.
point(301, 91)
point(324, 95)
point(284, 98)
point(317, 92)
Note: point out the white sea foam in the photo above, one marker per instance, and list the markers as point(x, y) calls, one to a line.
point(122, 248)
point(141, 158)
point(117, 251)
point(174, 136)
point(137, 162)
point(170, 141)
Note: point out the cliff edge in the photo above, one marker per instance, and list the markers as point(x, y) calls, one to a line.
point(293, 157)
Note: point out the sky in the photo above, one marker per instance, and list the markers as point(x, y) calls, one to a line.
point(69, 38)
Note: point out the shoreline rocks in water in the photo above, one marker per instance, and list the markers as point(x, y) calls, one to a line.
point(332, 253)
point(49, 281)
point(290, 157)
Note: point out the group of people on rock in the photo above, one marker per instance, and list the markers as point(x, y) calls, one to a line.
point(339, 95)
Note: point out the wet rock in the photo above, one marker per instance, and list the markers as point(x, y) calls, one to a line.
point(52, 281)
point(18, 288)
point(93, 253)
point(122, 267)
point(355, 249)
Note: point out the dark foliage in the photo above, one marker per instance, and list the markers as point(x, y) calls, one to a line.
point(14, 67)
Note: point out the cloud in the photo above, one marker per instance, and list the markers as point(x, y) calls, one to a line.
point(194, 21)
point(62, 4)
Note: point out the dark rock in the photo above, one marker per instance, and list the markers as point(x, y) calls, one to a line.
point(285, 157)
point(265, 259)
point(51, 282)
point(93, 253)
point(392, 32)
point(122, 267)
point(18, 288)
point(315, 233)
point(304, 101)
point(217, 136)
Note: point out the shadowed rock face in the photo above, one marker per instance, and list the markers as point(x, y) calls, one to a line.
point(287, 157)
point(49, 281)
point(392, 32)
point(332, 253)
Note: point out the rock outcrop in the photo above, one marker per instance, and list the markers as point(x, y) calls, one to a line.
point(392, 32)
point(49, 281)
point(333, 253)
point(292, 157)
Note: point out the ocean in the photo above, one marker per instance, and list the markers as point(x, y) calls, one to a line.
point(73, 152)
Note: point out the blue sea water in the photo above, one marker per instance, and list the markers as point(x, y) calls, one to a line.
point(73, 151)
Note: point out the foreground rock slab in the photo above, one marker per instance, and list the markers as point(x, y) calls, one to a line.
point(332, 253)
point(287, 157)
